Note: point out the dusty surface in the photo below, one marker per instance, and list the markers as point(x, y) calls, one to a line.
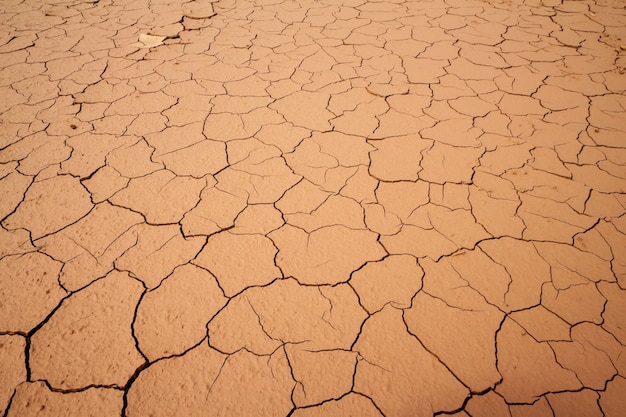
point(313, 208)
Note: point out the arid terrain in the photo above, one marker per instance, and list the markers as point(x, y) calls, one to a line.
point(313, 208)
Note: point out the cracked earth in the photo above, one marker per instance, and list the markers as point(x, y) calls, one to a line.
point(313, 208)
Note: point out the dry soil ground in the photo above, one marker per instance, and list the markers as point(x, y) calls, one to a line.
point(313, 208)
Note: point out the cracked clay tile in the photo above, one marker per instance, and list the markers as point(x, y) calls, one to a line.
point(89, 152)
point(197, 160)
point(12, 368)
point(494, 281)
point(104, 91)
point(348, 150)
point(617, 242)
point(504, 157)
point(285, 136)
point(527, 269)
point(494, 123)
point(542, 324)
point(443, 163)
point(352, 99)
point(149, 83)
point(569, 264)
point(486, 405)
point(104, 183)
point(239, 261)
point(612, 164)
point(441, 111)
point(450, 195)
point(162, 197)
point(137, 102)
point(521, 105)
point(133, 161)
point(537, 183)
point(398, 158)
point(163, 389)
point(57, 69)
point(361, 186)
point(250, 86)
point(396, 123)
point(298, 108)
point(10, 100)
point(221, 72)
point(458, 226)
point(481, 32)
point(589, 334)
point(472, 106)
point(172, 318)
point(317, 167)
point(424, 71)
point(315, 318)
point(236, 390)
point(237, 104)
point(88, 341)
point(582, 83)
point(614, 309)
point(496, 215)
point(303, 197)
point(555, 98)
point(259, 183)
point(246, 153)
point(583, 403)
point(396, 376)
point(548, 160)
point(217, 210)
point(395, 279)
point(49, 206)
point(320, 375)
point(464, 343)
point(442, 281)
point(592, 241)
point(612, 401)
point(14, 242)
point(93, 402)
point(539, 408)
point(482, 55)
point(546, 219)
point(174, 138)
point(156, 252)
point(335, 210)
point(418, 242)
point(28, 292)
point(249, 334)
point(350, 405)
point(219, 380)
point(466, 70)
point(597, 178)
point(88, 233)
point(592, 367)
point(528, 368)
point(605, 117)
point(12, 189)
point(19, 72)
point(258, 219)
point(37, 89)
point(113, 125)
point(325, 256)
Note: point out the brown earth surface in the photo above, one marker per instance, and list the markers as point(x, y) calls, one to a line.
point(313, 208)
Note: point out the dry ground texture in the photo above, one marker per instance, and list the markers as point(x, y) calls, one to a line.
point(313, 208)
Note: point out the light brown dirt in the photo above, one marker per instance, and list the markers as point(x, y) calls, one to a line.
point(313, 208)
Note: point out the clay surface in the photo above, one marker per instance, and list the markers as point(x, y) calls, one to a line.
point(313, 208)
